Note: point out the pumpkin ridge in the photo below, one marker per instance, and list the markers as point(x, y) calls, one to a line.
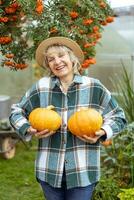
point(45, 118)
point(79, 124)
point(85, 122)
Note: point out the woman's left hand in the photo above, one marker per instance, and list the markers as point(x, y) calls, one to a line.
point(44, 134)
point(93, 140)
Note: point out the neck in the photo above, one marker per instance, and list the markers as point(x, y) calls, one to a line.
point(66, 80)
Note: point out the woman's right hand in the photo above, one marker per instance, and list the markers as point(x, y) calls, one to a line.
point(31, 130)
point(42, 134)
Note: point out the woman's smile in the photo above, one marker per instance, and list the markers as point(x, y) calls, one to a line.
point(60, 67)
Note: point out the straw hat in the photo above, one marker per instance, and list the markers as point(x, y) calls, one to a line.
point(43, 46)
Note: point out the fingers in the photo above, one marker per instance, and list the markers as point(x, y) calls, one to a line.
point(88, 139)
point(81, 138)
point(100, 133)
point(31, 130)
point(41, 133)
point(44, 134)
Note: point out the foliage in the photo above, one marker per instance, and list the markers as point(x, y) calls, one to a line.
point(120, 158)
point(127, 194)
point(107, 189)
point(120, 155)
point(126, 94)
point(4, 125)
point(26, 23)
point(117, 163)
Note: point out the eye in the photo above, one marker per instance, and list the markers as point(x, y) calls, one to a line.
point(50, 59)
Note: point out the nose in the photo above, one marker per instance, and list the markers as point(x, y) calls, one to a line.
point(57, 60)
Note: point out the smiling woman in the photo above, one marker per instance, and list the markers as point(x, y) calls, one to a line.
point(67, 165)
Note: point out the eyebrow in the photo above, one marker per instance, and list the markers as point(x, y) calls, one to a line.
point(60, 52)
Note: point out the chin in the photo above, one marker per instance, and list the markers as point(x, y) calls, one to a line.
point(61, 74)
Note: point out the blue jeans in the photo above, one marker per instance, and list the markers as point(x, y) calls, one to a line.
point(78, 193)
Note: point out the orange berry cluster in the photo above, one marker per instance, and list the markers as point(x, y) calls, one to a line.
point(5, 40)
point(9, 15)
point(87, 22)
point(10, 62)
point(91, 30)
point(73, 15)
point(14, 65)
point(4, 19)
point(53, 30)
point(8, 11)
point(88, 62)
point(12, 8)
point(39, 6)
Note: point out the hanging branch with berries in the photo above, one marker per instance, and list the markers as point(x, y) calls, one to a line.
point(25, 24)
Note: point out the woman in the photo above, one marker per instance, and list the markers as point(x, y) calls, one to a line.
point(67, 167)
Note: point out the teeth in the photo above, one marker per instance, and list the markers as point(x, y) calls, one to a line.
point(58, 68)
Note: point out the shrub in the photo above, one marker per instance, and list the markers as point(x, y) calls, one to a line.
point(107, 189)
point(126, 194)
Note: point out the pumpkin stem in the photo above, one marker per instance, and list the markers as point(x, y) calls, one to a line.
point(51, 107)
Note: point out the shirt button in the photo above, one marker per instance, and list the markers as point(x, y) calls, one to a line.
point(66, 161)
point(64, 125)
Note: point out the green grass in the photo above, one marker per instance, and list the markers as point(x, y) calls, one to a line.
point(17, 177)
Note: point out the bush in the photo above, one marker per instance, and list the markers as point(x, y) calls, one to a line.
point(126, 194)
point(107, 189)
point(120, 158)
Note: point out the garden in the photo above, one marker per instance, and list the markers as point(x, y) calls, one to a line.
point(24, 24)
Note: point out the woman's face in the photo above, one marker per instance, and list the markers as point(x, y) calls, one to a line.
point(59, 62)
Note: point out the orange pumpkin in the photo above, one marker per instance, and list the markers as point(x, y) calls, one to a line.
point(86, 121)
point(45, 118)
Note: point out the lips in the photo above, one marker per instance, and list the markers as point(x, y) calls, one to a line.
point(60, 67)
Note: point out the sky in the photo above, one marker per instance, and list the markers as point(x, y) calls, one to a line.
point(121, 3)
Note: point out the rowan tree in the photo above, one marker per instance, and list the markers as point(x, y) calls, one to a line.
point(24, 24)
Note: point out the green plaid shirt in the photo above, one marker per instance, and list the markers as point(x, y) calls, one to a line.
point(81, 160)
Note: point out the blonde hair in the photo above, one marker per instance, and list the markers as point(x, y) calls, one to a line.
point(73, 58)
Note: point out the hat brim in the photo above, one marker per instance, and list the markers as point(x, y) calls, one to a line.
point(43, 46)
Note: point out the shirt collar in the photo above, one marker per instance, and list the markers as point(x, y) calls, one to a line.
point(78, 79)
point(55, 81)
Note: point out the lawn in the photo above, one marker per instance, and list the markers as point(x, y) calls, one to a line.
point(17, 179)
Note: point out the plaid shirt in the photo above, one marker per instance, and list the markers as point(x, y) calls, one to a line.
point(81, 160)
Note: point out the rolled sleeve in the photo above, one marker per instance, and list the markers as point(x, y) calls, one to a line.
point(108, 130)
